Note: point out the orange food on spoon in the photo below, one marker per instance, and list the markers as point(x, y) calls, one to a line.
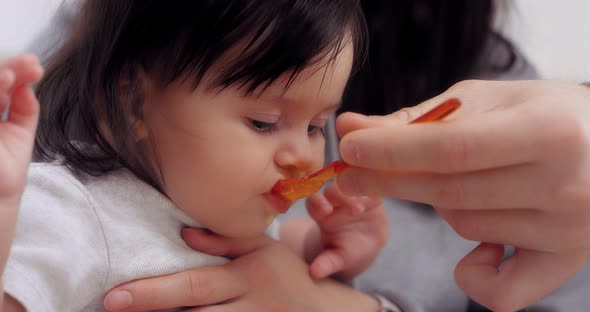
point(293, 189)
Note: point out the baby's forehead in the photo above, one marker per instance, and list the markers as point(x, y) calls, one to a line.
point(324, 79)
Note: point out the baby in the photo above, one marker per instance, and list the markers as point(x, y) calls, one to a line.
point(161, 115)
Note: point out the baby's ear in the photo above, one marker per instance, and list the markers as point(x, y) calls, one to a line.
point(132, 90)
point(139, 130)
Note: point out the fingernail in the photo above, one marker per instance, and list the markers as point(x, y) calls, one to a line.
point(118, 300)
point(351, 153)
point(348, 184)
point(6, 78)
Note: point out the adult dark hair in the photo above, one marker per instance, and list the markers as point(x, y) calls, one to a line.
point(419, 48)
point(92, 84)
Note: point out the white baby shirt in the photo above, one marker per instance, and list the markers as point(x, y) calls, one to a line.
point(78, 237)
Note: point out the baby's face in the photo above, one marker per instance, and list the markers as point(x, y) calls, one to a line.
point(220, 153)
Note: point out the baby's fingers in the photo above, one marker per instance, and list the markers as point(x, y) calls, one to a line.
point(318, 207)
point(352, 204)
point(330, 261)
point(24, 109)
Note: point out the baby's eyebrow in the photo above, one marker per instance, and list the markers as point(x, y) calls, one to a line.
point(288, 101)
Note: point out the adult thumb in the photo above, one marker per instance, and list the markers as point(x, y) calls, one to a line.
point(348, 122)
point(517, 282)
point(434, 109)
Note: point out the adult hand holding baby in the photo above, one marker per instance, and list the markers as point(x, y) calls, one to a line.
point(264, 276)
point(512, 166)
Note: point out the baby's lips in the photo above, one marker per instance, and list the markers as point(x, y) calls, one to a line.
point(278, 203)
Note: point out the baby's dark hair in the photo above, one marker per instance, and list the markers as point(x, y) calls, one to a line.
point(92, 82)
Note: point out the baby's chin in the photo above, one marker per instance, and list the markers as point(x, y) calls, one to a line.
point(246, 232)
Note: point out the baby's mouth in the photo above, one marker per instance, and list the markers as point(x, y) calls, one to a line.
point(279, 204)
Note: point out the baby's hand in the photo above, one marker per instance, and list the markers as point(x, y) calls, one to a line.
point(353, 231)
point(19, 112)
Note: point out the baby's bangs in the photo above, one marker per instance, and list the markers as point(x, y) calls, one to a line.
point(253, 43)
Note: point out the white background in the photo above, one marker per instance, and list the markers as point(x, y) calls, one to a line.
point(554, 34)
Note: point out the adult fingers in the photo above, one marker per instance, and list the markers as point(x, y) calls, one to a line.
point(504, 188)
point(527, 228)
point(213, 244)
point(26, 68)
point(521, 280)
point(7, 79)
point(348, 122)
point(24, 108)
point(555, 230)
point(483, 141)
point(203, 286)
point(478, 95)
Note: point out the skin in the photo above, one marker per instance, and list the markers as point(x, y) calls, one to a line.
point(204, 137)
point(266, 276)
point(536, 157)
point(355, 229)
point(511, 166)
point(17, 134)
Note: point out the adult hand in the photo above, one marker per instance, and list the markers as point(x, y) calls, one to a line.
point(17, 134)
point(511, 166)
point(266, 276)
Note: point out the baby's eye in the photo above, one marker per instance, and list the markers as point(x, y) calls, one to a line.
point(313, 130)
point(261, 126)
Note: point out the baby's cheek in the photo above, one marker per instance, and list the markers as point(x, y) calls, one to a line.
point(319, 153)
